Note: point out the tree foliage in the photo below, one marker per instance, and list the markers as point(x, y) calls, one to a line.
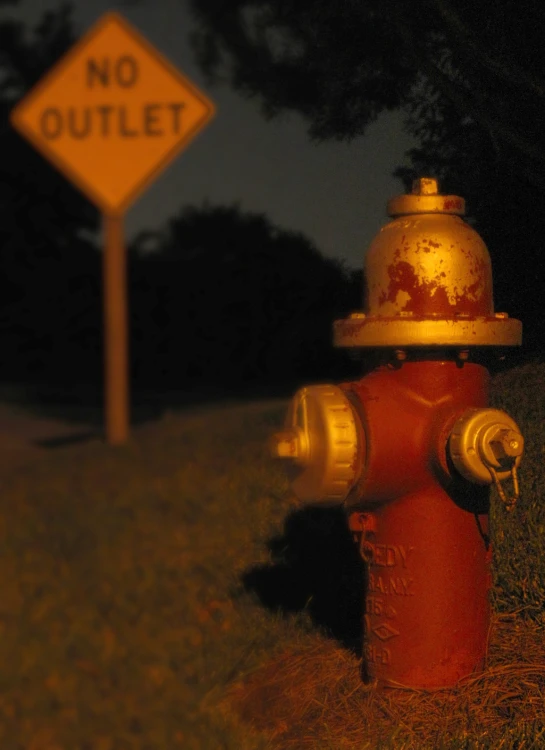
point(49, 289)
point(227, 295)
point(341, 64)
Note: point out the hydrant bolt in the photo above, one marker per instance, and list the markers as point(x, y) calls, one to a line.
point(285, 445)
point(506, 444)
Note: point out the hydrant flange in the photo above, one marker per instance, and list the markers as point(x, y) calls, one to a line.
point(419, 331)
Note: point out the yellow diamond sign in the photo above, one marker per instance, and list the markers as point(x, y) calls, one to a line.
point(112, 114)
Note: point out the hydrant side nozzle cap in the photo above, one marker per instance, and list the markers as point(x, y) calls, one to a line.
point(425, 199)
point(483, 439)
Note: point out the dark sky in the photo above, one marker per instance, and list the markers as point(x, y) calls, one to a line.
point(334, 193)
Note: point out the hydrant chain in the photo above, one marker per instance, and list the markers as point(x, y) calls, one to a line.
point(512, 501)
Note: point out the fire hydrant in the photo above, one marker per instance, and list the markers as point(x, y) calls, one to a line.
point(412, 448)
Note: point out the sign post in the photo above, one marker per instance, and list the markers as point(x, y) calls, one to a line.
point(115, 332)
point(111, 115)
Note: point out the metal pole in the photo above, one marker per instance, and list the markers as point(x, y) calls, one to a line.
point(115, 332)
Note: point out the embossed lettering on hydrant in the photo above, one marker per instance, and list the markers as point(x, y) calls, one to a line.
point(390, 585)
point(385, 555)
point(376, 654)
point(378, 607)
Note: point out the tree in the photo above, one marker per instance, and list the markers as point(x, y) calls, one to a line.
point(228, 297)
point(341, 64)
point(50, 283)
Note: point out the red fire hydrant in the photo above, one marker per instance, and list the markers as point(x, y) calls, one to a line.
point(412, 448)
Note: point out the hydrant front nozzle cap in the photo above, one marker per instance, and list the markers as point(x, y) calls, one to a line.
point(324, 441)
point(425, 199)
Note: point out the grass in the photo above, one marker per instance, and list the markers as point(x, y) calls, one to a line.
point(169, 594)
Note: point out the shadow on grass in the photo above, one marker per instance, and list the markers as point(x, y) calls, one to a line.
point(83, 404)
point(315, 567)
point(64, 440)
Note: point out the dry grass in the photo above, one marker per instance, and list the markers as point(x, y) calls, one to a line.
point(313, 697)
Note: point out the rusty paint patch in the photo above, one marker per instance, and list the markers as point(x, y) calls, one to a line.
point(450, 204)
point(480, 282)
point(430, 244)
point(424, 297)
point(414, 294)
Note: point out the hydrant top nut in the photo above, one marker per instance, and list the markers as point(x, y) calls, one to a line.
point(425, 186)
